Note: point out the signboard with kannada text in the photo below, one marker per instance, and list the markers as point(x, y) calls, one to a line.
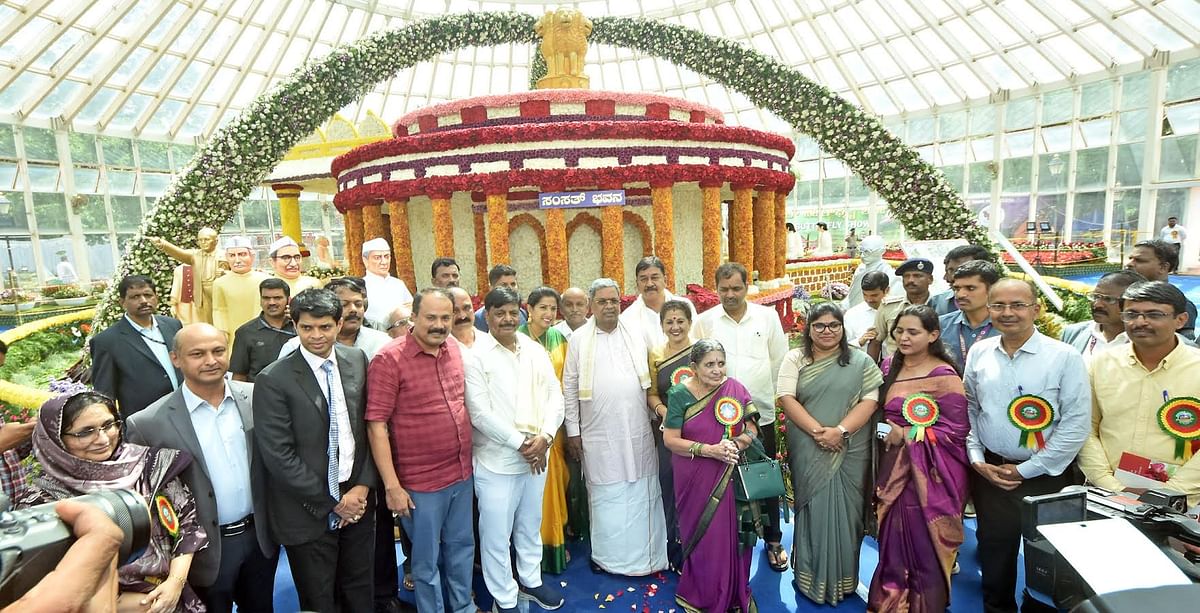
point(579, 200)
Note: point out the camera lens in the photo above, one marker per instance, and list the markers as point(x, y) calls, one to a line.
point(129, 511)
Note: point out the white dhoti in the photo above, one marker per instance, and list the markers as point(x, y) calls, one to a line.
point(510, 508)
point(629, 534)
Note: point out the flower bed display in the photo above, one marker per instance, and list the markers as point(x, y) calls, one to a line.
point(38, 354)
point(1055, 258)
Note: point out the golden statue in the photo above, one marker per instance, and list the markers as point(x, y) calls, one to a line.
point(564, 45)
point(205, 268)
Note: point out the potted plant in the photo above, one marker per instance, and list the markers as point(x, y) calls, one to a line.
point(16, 299)
point(66, 295)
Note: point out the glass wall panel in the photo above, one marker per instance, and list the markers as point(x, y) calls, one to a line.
point(1052, 173)
point(983, 120)
point(16, 258)
point(52, 247)
point(1133, 126)
point(954, 176)
point(39, 144)
point(83, 148)
point(127, 212)
point(1058, 106)
point(117, 151)
point(92, 215)
point(952, 125)
point(43, 178)
point(154, 155)
point(1183, 81)
point(254, 212)
point(1088, 224)
point(1019, 114)
point(1129, 165)
point(1096, 99)
point(8, 142)
point(1017, 175)
point(1170, 203)
point(833, 192)
point(981, 179)
point(1091, 168)
point(1135, 91)
point(1126, 204)
point(100, 256)
point(1053, 209)
point(50, 211)
point(13, 218)
point(1178, 158)
point(311, 218)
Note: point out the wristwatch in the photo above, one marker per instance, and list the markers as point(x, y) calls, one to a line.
point(844, 431)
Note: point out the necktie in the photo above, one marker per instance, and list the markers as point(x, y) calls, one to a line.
point(331, 475)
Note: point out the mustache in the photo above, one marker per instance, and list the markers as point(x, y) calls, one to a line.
point(438, 331)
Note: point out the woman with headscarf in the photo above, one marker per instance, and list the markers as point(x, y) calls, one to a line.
point(78, 443)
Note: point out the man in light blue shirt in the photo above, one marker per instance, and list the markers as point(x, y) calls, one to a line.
point(1044, 384)
point(970, 322)
point(212, 419)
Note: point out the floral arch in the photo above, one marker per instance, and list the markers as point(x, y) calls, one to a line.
point(525, 219)
point(214, 183)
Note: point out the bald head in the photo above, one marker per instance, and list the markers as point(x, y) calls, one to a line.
point(574, 306)
point(200, 353)
point(399, 321)
point(1024, 289)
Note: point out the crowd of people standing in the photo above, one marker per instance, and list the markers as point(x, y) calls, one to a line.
point(506, 430)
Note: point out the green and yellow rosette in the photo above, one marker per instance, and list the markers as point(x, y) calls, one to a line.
point(729, 412)
point(921, 411)
point(1180, 418)
point(165, 512)
point(1031, 414)
point(681, 374)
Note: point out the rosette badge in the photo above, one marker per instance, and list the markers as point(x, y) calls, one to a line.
point(1180, 418)
point(681, 375)
point(921, 411)
point(1031, 415)
point(729, 411)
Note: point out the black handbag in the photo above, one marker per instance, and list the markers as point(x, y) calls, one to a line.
point(757, 479)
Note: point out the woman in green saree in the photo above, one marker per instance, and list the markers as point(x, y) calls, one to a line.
point(669, 364)
point(829, 393)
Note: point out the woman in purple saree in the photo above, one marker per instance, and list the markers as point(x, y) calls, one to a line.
point(922, 483)
point(710, 421)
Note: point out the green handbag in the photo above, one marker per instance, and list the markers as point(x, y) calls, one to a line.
point(760, 478)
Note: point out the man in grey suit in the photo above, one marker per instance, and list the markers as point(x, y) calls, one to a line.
point(211, 419)
point(131, 358)
point(308, 417)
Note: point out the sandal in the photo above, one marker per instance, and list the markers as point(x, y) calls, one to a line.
point(408, 582)
point(777, 558)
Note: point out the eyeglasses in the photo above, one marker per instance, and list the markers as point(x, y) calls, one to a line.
point(832, 326)
point(287, 258)
point(1132, 316)
point(89, 434)
point(1105, 298)
point(608, 301)
point(1016, 307)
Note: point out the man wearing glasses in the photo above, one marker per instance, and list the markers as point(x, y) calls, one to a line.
point(1106, 329)
point(1029, 405)
point(1156, 260)
point(1143, 394)
point(285, 261)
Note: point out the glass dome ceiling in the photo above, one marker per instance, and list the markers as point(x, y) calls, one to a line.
point(177, 70)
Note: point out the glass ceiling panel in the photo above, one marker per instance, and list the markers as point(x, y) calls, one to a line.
point(925, 52)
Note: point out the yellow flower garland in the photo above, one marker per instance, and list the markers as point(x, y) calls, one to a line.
point(28, 397)
point(556, 243)
point(741, 227)
point(497, 226)
point(373, 222)
point(710, 227)
point(663, 210)
point(780, 233)
point(443, 226)
point(612, 242)
point(764, 234)
point(402, 243)
point(354, 241)
point(481, 255)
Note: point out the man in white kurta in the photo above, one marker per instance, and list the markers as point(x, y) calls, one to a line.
point(516, 407)
point(235, 293)
point(604, 388)
point(386, 292)
point(641, 317)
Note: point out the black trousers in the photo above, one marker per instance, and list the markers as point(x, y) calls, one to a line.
point(666, 479)
point(246, 577)
point(770, 506)
point(998, 513)
point(387, 579)
point(335, 572)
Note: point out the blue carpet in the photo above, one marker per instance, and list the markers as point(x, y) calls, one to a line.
point(587, 591)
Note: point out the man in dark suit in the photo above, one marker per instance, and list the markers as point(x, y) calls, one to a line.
point(308, 414)
point(131, 359)
point(211, 419)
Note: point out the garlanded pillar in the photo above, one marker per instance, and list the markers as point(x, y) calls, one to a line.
point(481, 255)
point(354, 241)
point(764, 233)
point(741, 227)
point(443, 226)
point(497, 228)
point(663, 212)
point(401, 243)
point(781, 233)
point(710, 228)
point(373, 221)
point(558, 273)
point(612, 244)
point(289, 212)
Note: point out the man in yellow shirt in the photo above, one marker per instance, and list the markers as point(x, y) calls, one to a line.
point(1144, 393)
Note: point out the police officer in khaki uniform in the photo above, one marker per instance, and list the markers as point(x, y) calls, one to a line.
point(917, 276)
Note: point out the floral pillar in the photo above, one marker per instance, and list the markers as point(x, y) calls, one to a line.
point(354, 241)
point(558, 274)
point(764, 233)
point(663, 211)
point(612, 244)
point(289, 212)
point(710, 228)
point(443, 226)
point(741, 227)
point(781, 233)
point(497, 228)
point(481, 254)
point(401, 243)
point(373, 222)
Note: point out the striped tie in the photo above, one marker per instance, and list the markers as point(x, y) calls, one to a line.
point(331, 475)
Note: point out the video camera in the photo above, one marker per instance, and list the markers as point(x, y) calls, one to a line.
point(33, 540)
point(1158, 514)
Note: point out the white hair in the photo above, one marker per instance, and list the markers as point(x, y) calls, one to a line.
point(600, 284)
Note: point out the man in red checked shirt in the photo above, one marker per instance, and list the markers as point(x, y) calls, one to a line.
point(420, 435)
